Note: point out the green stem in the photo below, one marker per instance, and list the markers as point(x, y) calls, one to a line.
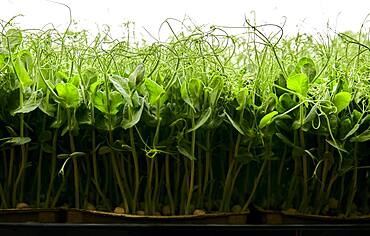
point(11, 164)
point(39, 170)
point(4, 204)
point(228, 187)
point(199, 203)
point(148, 193)
point(256, 182)
point(192, 170)
point(23, 160)
point(52, 168)
point(76, 176)
point(156, 188)
point(95, 169)
point(305, 174)
point(269, 190)
point(168, 184)
point(136, 167)
point(39, 173)
point(87, 187)
point(208, 162)
point(60, 189)
point(177, 184)
point(352, 193)
point(117, 175)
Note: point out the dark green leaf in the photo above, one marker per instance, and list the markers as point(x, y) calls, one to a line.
point(135, 118)
point(203, 119)
point(287, 141)
point(30, 104)
point(336, 145)
point(352, 131)
point(16, 141)
point(185, 152)
point(236, 126)
point(363, 137)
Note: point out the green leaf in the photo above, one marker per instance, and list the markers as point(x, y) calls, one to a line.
point(75, 80)
point(12, 39)
point(267, 119)
point(298, 83)
point(155, 91)
point(345, 128)
point(100, 102)
point(287, 141)
point(47, 108)
point(104, 150)
point(355, 116)
point(195, 91)
point(185, 152)
point(312, 114)
point(342, 100)
point(203, 119)
point(285, 103)
point(77, 154)
point(135, 118)
point(137, 75)
point(72, 155)
point(336, 145)
point(94, 86)
point(216, 86)
point(115, 101)
point(307, 66)
point(122, 87)
point(363, 137)
point(352, 131)
point(61, 76)
point(185, 95)
point(90, 76)
point(236, 126)
point(69, 95)
point(22, 73)
point(241, 98)
point(30, 104)
point(16, 141)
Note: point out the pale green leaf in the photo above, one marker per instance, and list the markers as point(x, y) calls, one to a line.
point(298, 83)
point(68, 94)
point(267, 119)
point(342, 100)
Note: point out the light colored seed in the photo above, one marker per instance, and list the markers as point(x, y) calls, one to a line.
point(119, 210)
point(22, 205)
point(199, 212)
point(90, 207)
point(236, 208)
point(140, 213)
point(166, 210)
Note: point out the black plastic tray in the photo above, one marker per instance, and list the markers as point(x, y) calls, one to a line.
point(56, 229)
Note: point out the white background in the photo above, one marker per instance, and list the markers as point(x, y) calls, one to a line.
point(311, 16)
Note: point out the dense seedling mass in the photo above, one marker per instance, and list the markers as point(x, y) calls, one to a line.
point(206, 120)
